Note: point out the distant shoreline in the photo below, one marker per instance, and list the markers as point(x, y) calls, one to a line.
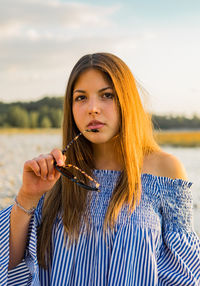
point(30, 130)
point(175, 138)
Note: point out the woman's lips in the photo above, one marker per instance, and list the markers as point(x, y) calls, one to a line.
point(96, 126)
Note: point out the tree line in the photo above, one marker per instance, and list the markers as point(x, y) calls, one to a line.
point(44, 113)
point(47, 113)
point(167, 122)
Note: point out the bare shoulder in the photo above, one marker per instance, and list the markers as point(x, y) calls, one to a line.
point(170, 166)
point(165, 165)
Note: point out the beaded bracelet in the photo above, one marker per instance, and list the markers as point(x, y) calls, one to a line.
point(29, 212)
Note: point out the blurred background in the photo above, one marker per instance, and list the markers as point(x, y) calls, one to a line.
point(40, 41)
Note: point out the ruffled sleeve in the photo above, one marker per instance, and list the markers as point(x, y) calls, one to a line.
point(31, 250)
point(179, 259)
point(27, 272)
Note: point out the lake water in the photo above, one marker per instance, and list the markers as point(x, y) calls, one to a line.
point(15, 149)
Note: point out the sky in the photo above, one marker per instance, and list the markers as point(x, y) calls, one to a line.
point(40, 42)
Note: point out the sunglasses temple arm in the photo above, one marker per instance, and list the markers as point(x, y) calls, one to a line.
point(76, 137)
point(71, 142)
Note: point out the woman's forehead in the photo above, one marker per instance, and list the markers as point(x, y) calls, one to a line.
point(92, 77)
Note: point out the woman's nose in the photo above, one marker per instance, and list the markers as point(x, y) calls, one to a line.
point(93, 106)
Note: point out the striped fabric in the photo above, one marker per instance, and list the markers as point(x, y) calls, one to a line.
point(156, 245)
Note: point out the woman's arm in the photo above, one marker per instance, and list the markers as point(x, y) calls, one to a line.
point(39, 176)
point(19, 223)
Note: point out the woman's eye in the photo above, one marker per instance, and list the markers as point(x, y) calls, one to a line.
point(79, 98)
point(108, 95)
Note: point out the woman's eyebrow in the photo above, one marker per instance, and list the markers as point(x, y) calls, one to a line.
point(108, 87)
point(83, 91)
point(79, 90)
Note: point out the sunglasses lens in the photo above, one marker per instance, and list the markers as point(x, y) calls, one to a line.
point(65, 172)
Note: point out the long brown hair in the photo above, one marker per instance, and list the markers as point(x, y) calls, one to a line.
point(135, 141)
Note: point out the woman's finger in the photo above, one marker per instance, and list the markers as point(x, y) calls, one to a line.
point(43, 166)
point(50, 165)
point(58, 156)
point(32, 165)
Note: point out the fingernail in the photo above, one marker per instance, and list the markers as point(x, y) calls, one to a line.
point(60, 162)
point(51, 177)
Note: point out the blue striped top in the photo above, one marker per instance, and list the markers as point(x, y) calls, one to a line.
point(156, 245)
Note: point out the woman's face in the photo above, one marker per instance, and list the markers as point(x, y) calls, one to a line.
point(94, 106)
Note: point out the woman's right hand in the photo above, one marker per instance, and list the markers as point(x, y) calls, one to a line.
point(39, 176)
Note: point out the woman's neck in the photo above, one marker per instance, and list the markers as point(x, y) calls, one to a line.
point(106, 157)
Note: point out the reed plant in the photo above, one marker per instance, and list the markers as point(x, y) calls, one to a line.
point(178, 138)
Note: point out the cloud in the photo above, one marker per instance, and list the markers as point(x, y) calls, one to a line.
point(37, 33)
point(47, 53)
point(52, 17)
point(41, 41)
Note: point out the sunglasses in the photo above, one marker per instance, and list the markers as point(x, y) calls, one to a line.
point(64, 170)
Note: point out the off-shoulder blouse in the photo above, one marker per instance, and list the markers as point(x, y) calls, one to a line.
point(155, 245)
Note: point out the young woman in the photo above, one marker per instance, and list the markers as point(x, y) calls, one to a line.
point(124, 218)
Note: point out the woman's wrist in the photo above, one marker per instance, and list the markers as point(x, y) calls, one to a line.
point(27, 201)
point(27, 211)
